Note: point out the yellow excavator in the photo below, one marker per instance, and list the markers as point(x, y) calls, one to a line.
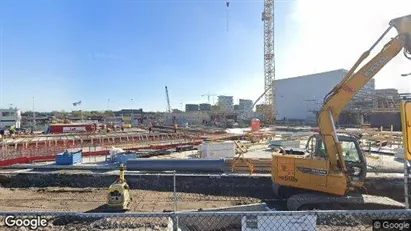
point(119, 197)
point(333, 168)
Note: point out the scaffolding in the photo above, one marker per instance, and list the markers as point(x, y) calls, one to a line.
point(46, 147)
point(51, 145)
point(363, 107)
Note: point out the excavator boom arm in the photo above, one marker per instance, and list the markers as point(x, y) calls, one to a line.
point(342, 95)
point(352, 83)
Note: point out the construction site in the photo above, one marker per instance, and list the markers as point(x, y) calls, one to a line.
point(189, 170)
point(245, 160)
point(297, 152)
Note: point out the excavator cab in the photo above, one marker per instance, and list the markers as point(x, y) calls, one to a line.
point(310, 170)
point(353, 156)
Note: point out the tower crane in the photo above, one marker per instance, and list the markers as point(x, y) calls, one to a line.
point(208, 96)
point(269, 60)
point(267, 17)
point(168, 101)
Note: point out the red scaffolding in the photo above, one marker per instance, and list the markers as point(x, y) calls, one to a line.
point(28, 149)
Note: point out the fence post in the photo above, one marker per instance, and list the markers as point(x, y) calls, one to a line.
point(175, 217)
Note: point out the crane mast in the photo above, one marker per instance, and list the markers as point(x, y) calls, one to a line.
point(168, 101)
point(269, 60)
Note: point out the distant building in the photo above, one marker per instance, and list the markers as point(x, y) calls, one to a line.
point(129, 113)
point(10, 117)
point(205, 107)
point(298, 98)
point(261, 108)
point(365, 98)
point(225, 103)
point(387, 98)
point(184, 118)
point(244, 104)
point(236, 107)
point(192, 107)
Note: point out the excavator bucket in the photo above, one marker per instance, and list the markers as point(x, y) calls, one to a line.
point(405, 109)
point(403, 26)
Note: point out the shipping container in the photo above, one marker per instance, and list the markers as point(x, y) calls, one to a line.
point(71, 128)
point(69, 158)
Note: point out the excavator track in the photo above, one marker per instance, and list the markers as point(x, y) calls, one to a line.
point(299, 199)
point(308, 201)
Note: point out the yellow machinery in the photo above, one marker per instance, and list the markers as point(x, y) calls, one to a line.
point(333, 165)
point(119, 197)
point(405, 109)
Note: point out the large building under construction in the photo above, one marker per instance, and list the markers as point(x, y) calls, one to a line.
point(300, 98)
point(378, 109)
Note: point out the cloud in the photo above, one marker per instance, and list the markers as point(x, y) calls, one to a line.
point(329, 35)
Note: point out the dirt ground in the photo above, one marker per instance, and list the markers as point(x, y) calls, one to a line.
point(84, 200)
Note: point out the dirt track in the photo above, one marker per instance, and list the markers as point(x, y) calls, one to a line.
point(83, 200)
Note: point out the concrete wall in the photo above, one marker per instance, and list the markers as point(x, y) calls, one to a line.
point(295, 97)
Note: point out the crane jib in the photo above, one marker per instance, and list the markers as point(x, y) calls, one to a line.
point(375, 67)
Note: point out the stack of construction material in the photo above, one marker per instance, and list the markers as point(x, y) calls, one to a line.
point(123, 157)
point(69, 158)
point(218, 150)
point(113, 153)
point(120, 156)
point(284, 143)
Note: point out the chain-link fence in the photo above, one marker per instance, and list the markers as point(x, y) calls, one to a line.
point(170, 192)
point(407, 194)
point(212, 221)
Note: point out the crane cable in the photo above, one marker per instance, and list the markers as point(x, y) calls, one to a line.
point(227, 4)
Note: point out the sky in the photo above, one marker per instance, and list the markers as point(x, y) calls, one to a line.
point(114, 54)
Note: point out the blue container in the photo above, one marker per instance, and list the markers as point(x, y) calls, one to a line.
point(69, 158)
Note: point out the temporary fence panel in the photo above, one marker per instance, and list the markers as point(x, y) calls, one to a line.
point(207, 221)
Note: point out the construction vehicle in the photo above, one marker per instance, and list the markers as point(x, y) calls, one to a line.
point(331, 171)
point(119, 197)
